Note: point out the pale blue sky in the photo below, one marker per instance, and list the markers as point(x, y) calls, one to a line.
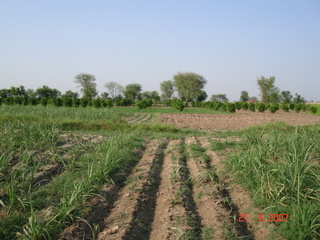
point(230, 43)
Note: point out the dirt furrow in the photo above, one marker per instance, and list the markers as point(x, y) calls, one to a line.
point(214, 217)
point(169, 221)
point(238, 198)
point(125, 218)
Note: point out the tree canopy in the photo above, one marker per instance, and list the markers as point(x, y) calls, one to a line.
point(269, 92)
point(132, 91)
point(114, 89)
point(219, 98)
point(167, 89)
point(87, 83)
point(244, 96)
point(189, 85)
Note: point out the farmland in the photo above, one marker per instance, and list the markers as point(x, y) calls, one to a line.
point(124, 173)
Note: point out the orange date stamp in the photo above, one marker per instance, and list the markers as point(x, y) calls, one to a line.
point(265, 217)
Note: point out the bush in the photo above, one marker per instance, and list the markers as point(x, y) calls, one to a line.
point(67, 102)
point(142, 104)
point(261, 107)
point(284, 107)
point(303, 107)
point(33, 101)
point(44, 101)
point(252, 107)
point(312, 108)
point(17, 100)
point(107, 103)
point(84, 102)
point(273, 107)
point(238, 105)
point(298, 107)
point(245, 106)
point(76, 102)
point(177, 104)
point(231, 107)
point(125, 102)
point(292, 106)
point(96, 103)
point(57, 102)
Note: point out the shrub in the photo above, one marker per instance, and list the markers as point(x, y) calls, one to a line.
point(33, 101)
point(107, 103)
point(125, 102)
point(292, 106)
point(284, 107)
point(304, 107)
point(231, 107)
point(17, 100)
point(245, 106)
point(238, 105)
point(67, 101)
point(217, 106)
point(261, 107)
point(273, 107)
point(57, 102)
point(84, 102)
point(177, 104)
point(76, 102)
point(298, 107)
point(252, 107)
point(44, 101)
point(96, 103)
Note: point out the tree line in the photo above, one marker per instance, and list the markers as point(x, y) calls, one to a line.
point(185, 89)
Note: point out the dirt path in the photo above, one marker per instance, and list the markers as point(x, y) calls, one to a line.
point(138, 118)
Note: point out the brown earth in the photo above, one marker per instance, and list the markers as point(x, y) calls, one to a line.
point(237, 121)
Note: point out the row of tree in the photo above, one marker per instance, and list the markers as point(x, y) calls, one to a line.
point(188, 86)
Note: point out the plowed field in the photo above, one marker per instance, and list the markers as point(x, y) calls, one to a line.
point(176, 191)
point(239, 120)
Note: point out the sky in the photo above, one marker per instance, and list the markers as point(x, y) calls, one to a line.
point(231, 43)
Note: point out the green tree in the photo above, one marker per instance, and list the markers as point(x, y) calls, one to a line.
point(114, 89)
point(219, 98)
point(132, 91)
point(104, 95)
point(298, 99)
point(202, 96)
point(167, 89)
point(189, 85)
point(70, 94)
point(286, 97)
point(46, 92)
point(244, 96)
point(269, 92)
point(87, 83)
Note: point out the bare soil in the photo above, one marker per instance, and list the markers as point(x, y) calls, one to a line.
point(238, 120)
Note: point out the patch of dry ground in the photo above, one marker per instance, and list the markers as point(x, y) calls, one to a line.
point(237, 121)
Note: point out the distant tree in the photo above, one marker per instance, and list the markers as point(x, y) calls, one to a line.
point(114, 89)
point(167, 89)
point(87, 83)
point(189, 85)
point(70, 94)
point(286, 97)
point(244, 96)
point(269, 92)
point(154, 95)
point(202, 96)
point(219, 98)
point(104, 95)
point(46, 92)
point(298, 99)
point(132, 91)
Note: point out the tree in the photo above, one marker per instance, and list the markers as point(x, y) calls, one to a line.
point(87, 83)
point(70, 94)
point(219, 98)
point(286, 97)
point(244, 96)
point(104, 95)
point(298, 99)
point(46, 92)
point(202, 96)
point(269, 92)
point(167, 89)
point(132, 91)
point(189, 85)
point(114, 89)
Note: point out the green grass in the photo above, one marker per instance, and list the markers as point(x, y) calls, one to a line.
point(278, 166)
